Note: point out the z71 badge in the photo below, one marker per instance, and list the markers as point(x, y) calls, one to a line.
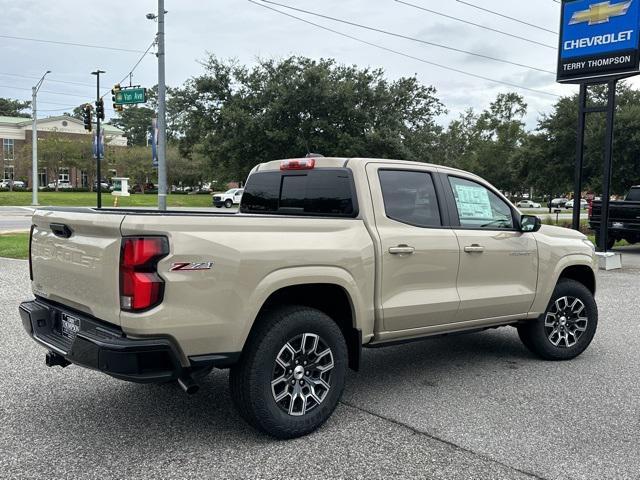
point(190, 267)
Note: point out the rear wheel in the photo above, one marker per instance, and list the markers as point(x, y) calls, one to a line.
point(568, 325)
point(292, 372)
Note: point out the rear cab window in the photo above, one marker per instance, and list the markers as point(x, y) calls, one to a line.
point(319, 192)
point(410, 197)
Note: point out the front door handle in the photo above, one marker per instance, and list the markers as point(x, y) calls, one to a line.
point(475, 248)
point(401, 250)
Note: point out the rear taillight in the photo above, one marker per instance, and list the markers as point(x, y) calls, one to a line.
point(301, 164)
point(590, 208)
point(141, 288)
point(30, 245)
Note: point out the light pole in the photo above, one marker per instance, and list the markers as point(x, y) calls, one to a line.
point(162, 118)
point(34, 141)
point(98, 144)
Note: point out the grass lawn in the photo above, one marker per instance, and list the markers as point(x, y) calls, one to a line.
point(87, 199)
point(14, 245)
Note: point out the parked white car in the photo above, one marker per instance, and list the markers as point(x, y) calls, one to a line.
point(583, 204)
point(16, 184)
point(527, 204)
point(229, 198)
point(62, 185)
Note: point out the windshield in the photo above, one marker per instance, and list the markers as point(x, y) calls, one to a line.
point(230, 192)
point(633, 195)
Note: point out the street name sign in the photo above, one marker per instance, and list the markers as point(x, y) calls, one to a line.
point(598, 39)
point(131, 96)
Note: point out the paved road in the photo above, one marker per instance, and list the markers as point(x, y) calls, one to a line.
point(476, 406)
point(563, 215)
point(15, 219)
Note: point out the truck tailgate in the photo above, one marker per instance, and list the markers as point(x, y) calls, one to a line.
point(75, 257)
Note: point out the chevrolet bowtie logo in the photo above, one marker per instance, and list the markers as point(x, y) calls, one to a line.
point(600, 13)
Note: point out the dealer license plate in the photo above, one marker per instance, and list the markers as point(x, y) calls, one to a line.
point(69, 326)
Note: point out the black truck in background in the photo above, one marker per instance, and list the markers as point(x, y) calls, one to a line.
point(624, 218)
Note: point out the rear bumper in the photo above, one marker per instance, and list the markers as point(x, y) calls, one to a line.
point(104, 347)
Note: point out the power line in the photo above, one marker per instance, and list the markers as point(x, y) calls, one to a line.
point(44, 91)
point(5, 74)
point(144, 54)
point(458, 19)
point(493, 12)
point(70, 44)
point(402, 54)
point(68, 108)
point(398, 35)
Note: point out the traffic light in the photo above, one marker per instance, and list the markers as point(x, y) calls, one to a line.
point(100, 109)
point(114, 92)
point(86, 116)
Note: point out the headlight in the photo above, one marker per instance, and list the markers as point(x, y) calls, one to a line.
point(588, 242)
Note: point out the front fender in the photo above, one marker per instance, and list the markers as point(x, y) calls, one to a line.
point(549, 279)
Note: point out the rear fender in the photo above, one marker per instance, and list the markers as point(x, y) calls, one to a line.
point(363, 313)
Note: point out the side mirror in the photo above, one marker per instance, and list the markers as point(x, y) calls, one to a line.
point(530, 223)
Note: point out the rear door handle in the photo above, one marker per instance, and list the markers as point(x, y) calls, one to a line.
point(475, 248)
point(401, 250)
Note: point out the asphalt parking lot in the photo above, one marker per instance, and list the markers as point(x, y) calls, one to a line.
point(467, 407)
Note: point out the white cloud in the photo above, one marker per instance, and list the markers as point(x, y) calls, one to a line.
point(237, 28)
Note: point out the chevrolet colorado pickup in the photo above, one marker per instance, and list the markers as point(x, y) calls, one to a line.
point(327, 256)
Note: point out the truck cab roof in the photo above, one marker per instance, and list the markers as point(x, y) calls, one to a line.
point(345, 162)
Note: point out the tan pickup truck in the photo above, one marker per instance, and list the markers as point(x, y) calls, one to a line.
point(327, 256)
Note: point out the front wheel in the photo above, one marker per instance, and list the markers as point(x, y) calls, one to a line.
point(292, 372)
point(228, 203)
point(568, 325)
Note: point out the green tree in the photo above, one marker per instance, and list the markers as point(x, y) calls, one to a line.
point(501, 131)
point(237, 117)
point(136, 120)
point(76, 112)
point(57, 151)
point(133, 162)
point(14, 108)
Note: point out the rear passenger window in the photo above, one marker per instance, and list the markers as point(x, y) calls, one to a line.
point(410, 197)
point(321, 192)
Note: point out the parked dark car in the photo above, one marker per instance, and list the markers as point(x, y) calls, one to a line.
point(624, 218)
point(137, 188)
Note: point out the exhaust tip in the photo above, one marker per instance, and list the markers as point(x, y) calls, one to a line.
point(188, 385)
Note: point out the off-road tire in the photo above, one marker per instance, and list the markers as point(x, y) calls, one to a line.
point(250, 380)
point(536, 336)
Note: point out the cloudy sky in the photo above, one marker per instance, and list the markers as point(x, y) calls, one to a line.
point(244, 30)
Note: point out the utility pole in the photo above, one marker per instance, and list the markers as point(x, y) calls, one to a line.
point(98, 153)
point(162, 120)
point(34, 141)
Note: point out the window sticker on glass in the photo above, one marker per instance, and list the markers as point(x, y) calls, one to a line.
point(473, 202)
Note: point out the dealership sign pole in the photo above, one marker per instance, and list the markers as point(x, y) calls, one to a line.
point(599, 44)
